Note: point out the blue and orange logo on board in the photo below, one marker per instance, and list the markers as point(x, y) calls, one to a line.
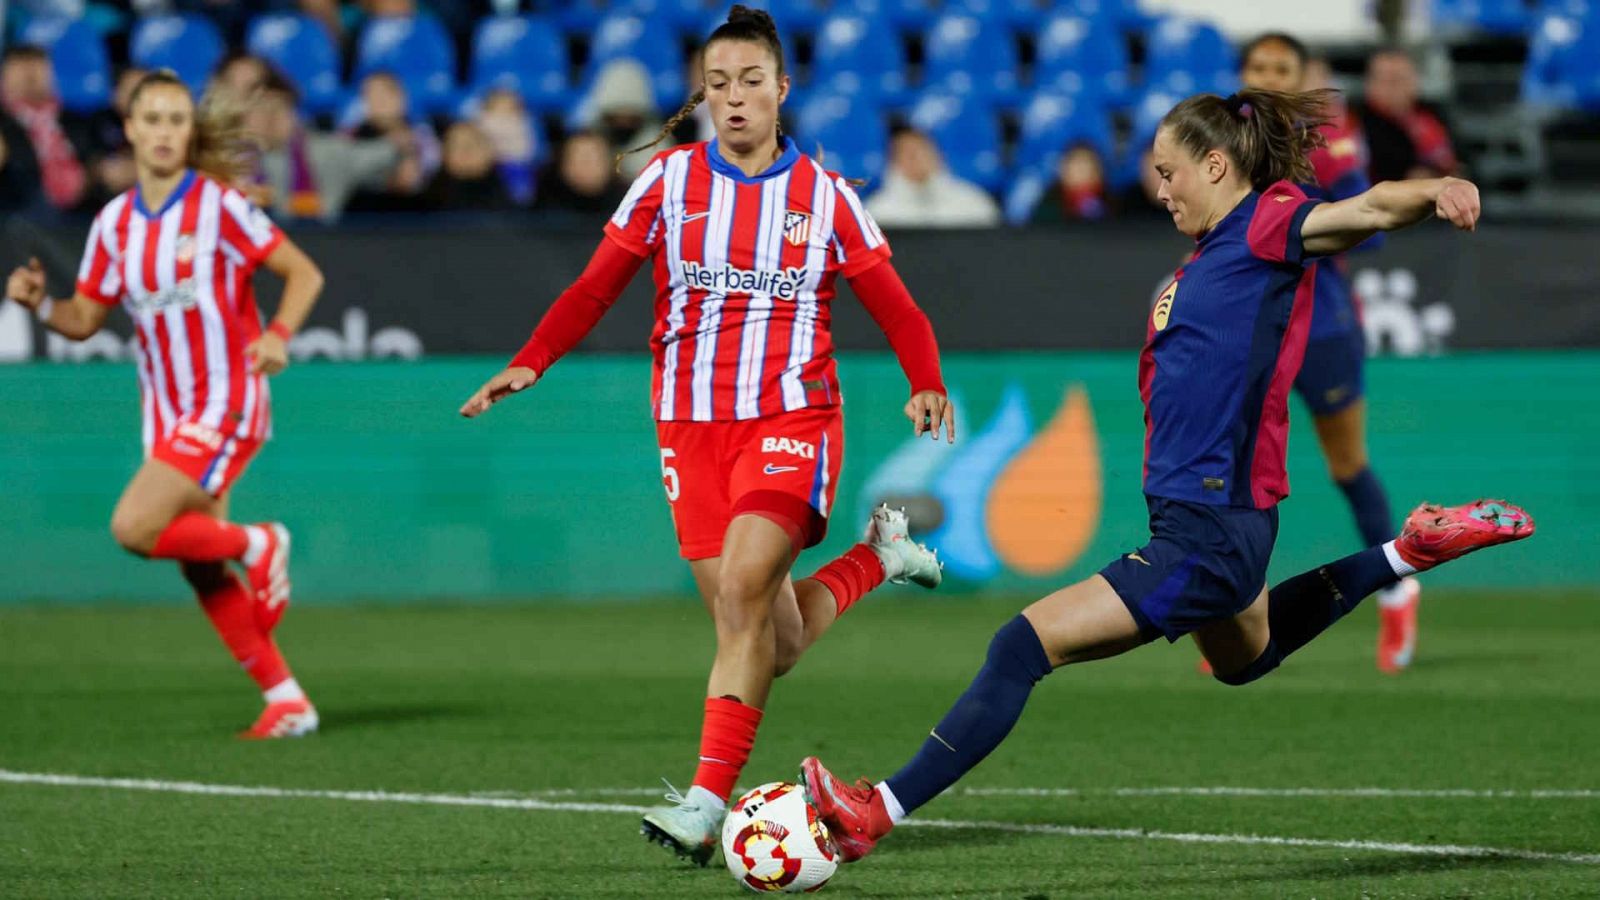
point(1009, 498)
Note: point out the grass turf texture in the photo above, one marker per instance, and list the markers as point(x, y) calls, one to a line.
point(1505, 696)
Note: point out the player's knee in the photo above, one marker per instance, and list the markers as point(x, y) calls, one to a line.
point(134, 532)
point(1345, 463)
point(1261, 665)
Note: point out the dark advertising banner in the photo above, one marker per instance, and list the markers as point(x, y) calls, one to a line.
point(403, 292)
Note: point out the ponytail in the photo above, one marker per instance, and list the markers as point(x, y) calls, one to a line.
point(1267, 134)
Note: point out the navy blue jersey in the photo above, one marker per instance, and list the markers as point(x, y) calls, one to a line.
point(1224, 344)
point(1341, 169)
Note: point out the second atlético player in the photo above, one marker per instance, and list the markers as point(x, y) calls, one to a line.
point(748, 237)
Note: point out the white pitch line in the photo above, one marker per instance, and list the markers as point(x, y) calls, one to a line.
point(1174, 791)
point(526, 803)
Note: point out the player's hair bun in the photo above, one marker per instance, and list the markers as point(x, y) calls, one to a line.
point(746, 15)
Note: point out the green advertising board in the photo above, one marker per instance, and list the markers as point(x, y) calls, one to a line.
point(557, 494)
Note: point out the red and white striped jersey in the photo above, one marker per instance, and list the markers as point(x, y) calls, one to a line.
point(744, 270)
point(183, 273)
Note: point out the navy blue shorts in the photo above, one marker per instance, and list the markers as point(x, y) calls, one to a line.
point(1331, 378)
point(1203, 563)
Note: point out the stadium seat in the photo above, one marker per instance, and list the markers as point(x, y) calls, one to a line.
point(967, 133)
point(907, 16)
point(1018, 15)
point(967, 55)
point(1187, 56)
point(1563, 68)
point(418, 51)
point(188, 44)
point(850, 131)
point(526, 54)
point(78, 57)
point(794, 19)
point(1506, 17)
point(580, 17)
point(1123, 15)
point(855, 53)
point(651, 41)
point(1076, 54)
point(1052, 121)
point(1148, 113)
point(300, 48)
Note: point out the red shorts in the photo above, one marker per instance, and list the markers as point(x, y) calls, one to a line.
point(204, 454)
point(785, 467)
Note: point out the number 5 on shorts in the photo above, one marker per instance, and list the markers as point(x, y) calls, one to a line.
point(669, 475)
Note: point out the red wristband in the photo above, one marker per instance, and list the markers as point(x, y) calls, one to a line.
point(281, 330)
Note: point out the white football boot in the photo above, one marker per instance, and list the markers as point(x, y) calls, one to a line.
point(904, 560)
point(687, 827)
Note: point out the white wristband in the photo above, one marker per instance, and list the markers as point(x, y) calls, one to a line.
point(46, 307)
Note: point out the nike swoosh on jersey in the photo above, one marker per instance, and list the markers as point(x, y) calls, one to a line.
point(1137, 557)
point(694, 216)
point(773, 470)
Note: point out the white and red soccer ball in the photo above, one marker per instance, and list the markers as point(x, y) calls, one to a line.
point(772, 840)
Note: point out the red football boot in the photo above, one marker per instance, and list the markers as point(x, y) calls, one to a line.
point(854, 813)
point(269, 578)
point(1438, 534)
point(1397, 629)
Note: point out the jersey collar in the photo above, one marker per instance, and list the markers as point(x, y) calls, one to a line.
point(721, 166)
point(1238, 217)
point(177, 194)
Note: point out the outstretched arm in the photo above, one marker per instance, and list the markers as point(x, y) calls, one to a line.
point(77, 318)
point(573, 315)
point(911, 337)
point(1389, 206)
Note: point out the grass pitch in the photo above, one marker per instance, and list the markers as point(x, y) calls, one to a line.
point(565, 716)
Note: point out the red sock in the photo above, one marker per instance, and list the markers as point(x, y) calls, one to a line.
point(197, 537)
point(233, 614)
point(851, 576)
point(726, 737)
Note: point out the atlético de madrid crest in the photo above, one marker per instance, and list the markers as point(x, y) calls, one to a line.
point(797, 227)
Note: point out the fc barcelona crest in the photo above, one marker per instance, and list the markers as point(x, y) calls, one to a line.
point(797, 228)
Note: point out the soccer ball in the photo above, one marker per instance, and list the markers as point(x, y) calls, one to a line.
point(773, 841)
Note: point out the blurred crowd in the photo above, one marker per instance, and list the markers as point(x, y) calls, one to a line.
point(381, 154)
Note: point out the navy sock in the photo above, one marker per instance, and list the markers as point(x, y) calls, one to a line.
point(1370, 504)
point(980, 720)
point(1304, 606)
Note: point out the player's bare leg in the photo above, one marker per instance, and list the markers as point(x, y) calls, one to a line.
point(1343, 438)
point(1083, 622)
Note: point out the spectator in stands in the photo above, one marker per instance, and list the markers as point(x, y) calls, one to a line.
point(584, 179)
point(920, 192)
point(103, 140)
point(504, 119)
point(384, 113)
point(241, 74)
point(621, 107)
point(467, 180)
point(28, 95)
point(1405, 139)
point(1079, 192)
point(19, 168)
point(312, 175)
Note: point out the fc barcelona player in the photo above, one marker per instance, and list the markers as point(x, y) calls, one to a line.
point(1223, 346)
point(178, 252)
point(1331, 381)
point(748, 237)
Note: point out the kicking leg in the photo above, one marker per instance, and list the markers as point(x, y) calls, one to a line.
point(1083, 622)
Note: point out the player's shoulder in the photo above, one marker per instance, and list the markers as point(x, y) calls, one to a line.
point(1280, 193)
point(115, 207)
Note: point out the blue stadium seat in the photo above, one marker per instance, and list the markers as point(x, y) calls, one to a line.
point(188, 44)
point(1509, 17)
point(1052, 121)
point(652, 42)
point(1123, 15)
point(1187, 56)
point(967, 55)
point(78, 57)
point(850, 131)
point(300, 48)
point(855, 53)
point(1019, 15)
point(418, 51)
point(966, 132)
point(1076, 54)
point(581, 16)
point(793, 18)
point(907, 16)
point(526, 54)
point(1563, 68)
point(686, 16)
point(1147, 115)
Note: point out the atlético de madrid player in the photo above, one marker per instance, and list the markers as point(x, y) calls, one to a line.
point(748, 237)
point(178, 252)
